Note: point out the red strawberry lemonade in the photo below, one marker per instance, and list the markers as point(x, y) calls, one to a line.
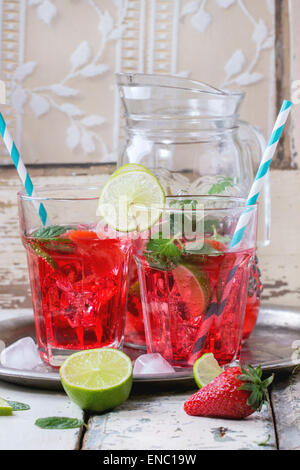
point(134, 327)
point(135, 332)
point(253, 298)
point(79, 287)
point(196, 307)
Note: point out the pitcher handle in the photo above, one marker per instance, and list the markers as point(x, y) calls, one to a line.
point(254, 144)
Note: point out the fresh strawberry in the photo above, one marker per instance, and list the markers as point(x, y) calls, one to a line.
point(235, 394)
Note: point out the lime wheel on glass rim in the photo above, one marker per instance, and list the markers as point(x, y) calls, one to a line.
point(128, 195)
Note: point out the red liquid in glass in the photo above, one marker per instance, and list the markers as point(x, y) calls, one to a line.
point(197, 307)
point(135, 332)
point(253, 298)
point(79, 287)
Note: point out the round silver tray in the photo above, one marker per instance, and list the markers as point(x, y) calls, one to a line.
point(272, 344)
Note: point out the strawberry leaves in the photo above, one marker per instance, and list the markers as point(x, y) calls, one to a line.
point(254, 384)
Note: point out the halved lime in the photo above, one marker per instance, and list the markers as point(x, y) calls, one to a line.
point(131, 200)
point(194, 288)
point(205, 369)
point(5, 408)
point(97, 379)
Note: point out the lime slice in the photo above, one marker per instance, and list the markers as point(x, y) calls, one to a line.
point(194, 288)
point(120, 194)
point(5, 408)
point(205, 369)
point(97, 379)
point(130, 167)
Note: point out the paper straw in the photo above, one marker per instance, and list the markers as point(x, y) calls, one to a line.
point(21, 169)
point(261, 173)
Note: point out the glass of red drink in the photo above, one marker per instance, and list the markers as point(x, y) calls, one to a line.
point(78, 276)
point(193, 286)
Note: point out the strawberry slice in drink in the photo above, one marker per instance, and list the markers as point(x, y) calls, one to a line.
point(104, 255)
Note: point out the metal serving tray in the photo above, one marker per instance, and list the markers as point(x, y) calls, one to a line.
point(272, 345)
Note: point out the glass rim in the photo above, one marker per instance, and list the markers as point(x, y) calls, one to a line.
point(22, 195)
point(203, 197)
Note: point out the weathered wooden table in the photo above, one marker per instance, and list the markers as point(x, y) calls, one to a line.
point(152, 419)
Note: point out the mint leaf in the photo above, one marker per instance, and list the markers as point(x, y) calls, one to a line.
point(51, 232)
point(264, 443)
point(18, 406)
point(64, 245)
point(163, 253)
point(49, 237)
point(164, 247)
point(59, 422)
point(223, 183)
point(38, 250)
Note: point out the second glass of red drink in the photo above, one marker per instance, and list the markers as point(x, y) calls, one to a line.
point(193, 286)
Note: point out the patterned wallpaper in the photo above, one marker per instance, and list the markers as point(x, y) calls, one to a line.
point(58, 59)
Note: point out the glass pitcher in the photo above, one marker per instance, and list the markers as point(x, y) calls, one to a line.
point(190, 136)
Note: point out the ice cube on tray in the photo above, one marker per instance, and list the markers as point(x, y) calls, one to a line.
point(153, 363)
point(23, 354)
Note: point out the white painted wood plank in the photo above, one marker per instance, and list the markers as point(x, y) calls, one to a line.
point(280, 261)
point(286, 405)
point(159, 422)
point(18, 432)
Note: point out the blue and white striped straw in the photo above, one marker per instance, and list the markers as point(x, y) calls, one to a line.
point(21, 169)
point(261, 173)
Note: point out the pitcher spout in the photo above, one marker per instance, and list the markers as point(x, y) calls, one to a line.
point(164, 97)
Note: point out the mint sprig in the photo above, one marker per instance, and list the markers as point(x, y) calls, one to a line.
point(223, 183)
point(163, 253)
point(38, 250)
point(51, 232)
point(49, 237)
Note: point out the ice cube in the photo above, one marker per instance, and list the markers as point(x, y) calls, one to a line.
point(23, 354)
point(152, 363)
point(104, 231)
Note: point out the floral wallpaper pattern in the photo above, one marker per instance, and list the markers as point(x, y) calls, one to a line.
point(59, 70)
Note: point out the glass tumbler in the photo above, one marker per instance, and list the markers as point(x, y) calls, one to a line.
point(193, 285)
point(78, 277)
